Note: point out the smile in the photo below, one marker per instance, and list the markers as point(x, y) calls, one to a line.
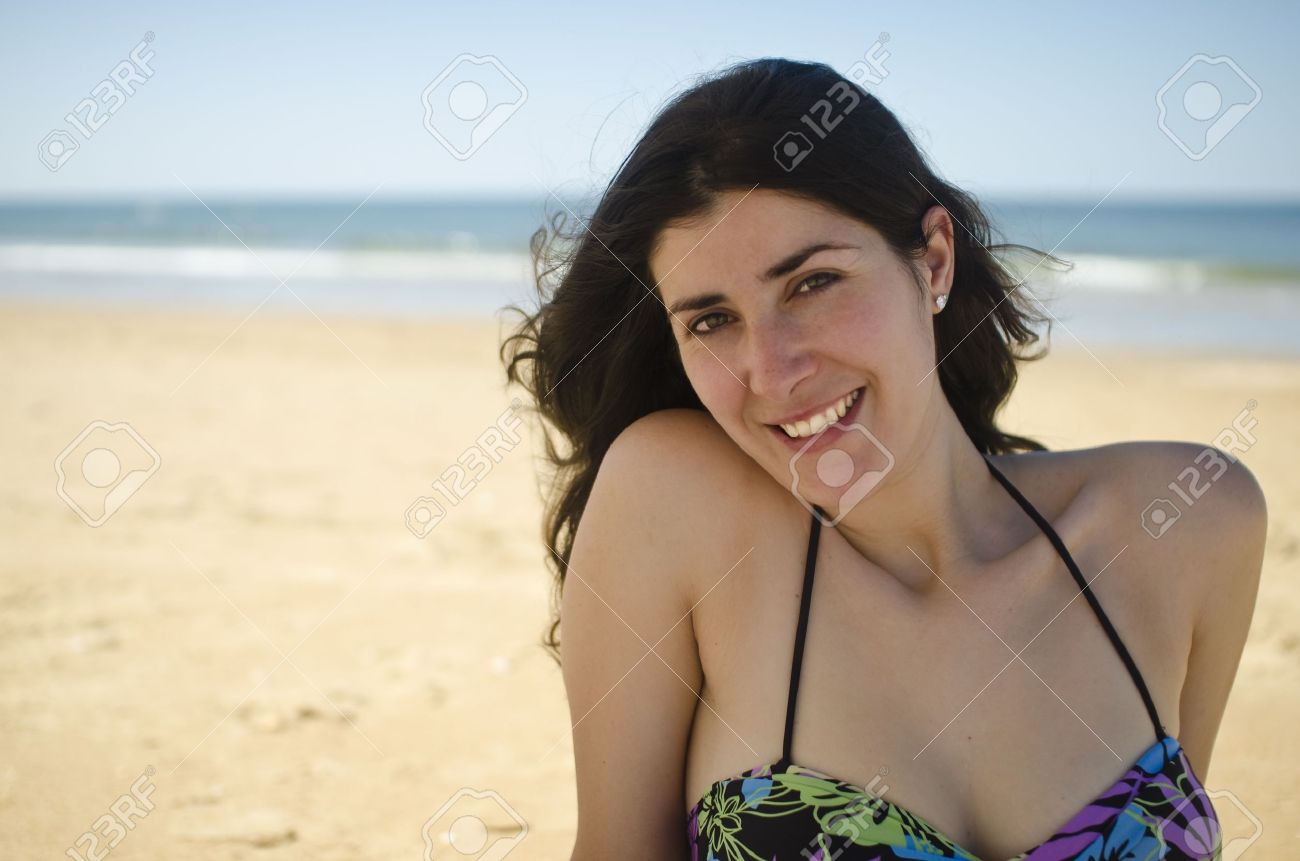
point(818, 422)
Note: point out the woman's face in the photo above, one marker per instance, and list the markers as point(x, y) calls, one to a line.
point(772, 337)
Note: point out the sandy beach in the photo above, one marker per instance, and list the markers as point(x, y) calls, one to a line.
point(257, 651)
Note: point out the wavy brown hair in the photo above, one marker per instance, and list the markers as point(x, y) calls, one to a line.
point(598, 353)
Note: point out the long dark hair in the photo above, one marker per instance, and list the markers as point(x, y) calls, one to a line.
point(599, 353)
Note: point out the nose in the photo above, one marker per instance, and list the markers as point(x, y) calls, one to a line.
point(778, 358)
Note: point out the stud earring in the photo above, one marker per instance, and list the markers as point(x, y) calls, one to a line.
point(941, 300)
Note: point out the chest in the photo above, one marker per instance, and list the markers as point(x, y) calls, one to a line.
point(995, 707)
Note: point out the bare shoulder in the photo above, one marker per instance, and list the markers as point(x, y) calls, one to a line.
point(1144, 467)
point(1197, 507)
point(666, 503)
point(686, 488)
point(1194, 520)
point(678, 444)
point(1191, 517)
point(1192, 509)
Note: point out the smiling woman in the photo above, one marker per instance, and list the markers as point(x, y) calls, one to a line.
point(748, 362)
point(600, 352)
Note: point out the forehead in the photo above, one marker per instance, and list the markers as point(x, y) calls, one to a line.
point(744, 234)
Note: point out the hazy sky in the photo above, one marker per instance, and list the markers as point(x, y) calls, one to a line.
point(318, 99)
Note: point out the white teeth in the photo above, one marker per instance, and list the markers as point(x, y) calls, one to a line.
point(820, 422)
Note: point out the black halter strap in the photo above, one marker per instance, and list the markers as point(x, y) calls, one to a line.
point(805, 602)
point(1061, 551)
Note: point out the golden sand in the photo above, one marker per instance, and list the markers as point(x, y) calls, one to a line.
point(308, 679)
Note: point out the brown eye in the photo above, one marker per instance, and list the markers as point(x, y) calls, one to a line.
point(826, 279)
point(718, 318)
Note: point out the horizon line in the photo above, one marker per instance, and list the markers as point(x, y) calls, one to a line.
point(493, 196)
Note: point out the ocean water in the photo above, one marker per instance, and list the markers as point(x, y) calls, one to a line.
point(385, 258)
point(1260, 236)
point(1209, 276)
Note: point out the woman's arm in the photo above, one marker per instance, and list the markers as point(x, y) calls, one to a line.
point(631, 666)
point(1229, 528)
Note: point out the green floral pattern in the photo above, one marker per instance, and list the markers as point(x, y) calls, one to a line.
point(1158, 811)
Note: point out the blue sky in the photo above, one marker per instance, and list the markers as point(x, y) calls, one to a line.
point(318, 100)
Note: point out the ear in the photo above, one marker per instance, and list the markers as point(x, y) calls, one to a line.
point(940, 255)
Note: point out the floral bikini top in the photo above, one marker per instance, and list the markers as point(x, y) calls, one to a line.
point(782, 811)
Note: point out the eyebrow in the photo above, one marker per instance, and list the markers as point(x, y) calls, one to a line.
point(781, 267)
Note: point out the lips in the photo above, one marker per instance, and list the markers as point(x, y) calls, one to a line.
point(812, 422)
point(832, 431)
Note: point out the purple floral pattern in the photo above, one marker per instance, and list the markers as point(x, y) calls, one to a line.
point(1158, 811)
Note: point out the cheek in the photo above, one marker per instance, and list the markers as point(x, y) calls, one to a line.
point(714, 385)
point(862, 329)
point(881, 328)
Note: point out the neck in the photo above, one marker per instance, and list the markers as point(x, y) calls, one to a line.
point(934, 512)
